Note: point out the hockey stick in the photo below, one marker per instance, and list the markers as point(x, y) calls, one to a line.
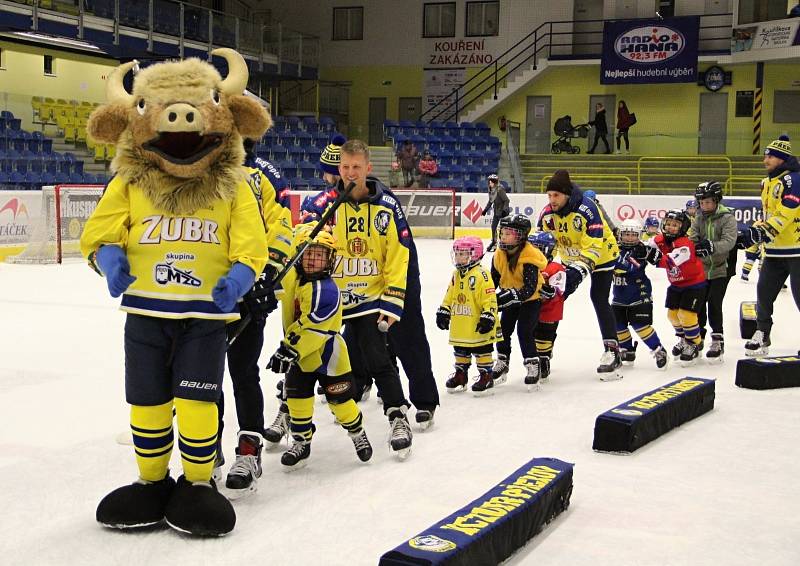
point(299, 253)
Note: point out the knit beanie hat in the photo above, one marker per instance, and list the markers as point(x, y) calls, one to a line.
point(780, 148)
point(332, 155)
point(560, 182)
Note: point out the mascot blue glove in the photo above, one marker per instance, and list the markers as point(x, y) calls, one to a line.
point(113, 262)
point(233, 286)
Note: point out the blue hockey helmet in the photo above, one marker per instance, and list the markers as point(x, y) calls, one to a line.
point(545, 241)
point(589, 193)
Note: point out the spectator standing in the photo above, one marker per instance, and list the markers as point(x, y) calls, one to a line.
point(408, 157)
point(624, 122)
point(498, 203)
point(600, 127)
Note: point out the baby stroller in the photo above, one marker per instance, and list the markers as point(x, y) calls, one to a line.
point(565, 131)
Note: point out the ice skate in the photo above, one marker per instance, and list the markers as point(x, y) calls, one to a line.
point(628, 356)
point(691, 352)
point(279, 428)
point(457, 382)
point(139, 505)
point(610, 362)
point(500, 369)
point(677, 349)
point(661, 356)
point(219, 461)
point(758, 345)
point(197, 508)
point(424, 418)
point(484, 385)
point(296, 457)
point(533, 373)
point(361, 444)
point(244, 473)
point(321, 394)
point(717, 349)
point(365, 393)
point(400, 433)
point(544, 369)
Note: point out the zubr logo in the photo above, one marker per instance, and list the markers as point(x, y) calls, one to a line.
point(473, 211)
point(650, 44)
point(16, 207)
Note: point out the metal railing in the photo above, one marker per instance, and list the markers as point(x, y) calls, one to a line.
point(546, 41)
point(726, 161)
point(187, 23)
point(596, 177)
point(728, 189)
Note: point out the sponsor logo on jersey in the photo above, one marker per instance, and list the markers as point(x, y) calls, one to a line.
point(355, 267)
point(395, 292)
point(184, 229)
point(461, 298)
point(382, 221)
point(577, 223)
point(431, 543)
point(357, 246)
point(352, 298)
point(337, 388)
point(167, 273)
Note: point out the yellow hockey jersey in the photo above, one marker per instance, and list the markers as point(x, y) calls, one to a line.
point(276, 214)
point(469, 294)
point(581, 233)
point(513, 278)
point(372, 254)
point(312, 319)
point(780, 199)
point(177, 260)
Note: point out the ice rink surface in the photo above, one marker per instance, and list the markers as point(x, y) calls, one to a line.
point(721, 489)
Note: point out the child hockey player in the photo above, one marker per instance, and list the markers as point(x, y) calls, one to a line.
point(691, 208)
point(651, 225)
point(633, 298)
point(675, 252)
point(313, 349)
point(516, 271)
point(552, 293)
point(469, 310)
point(751, 256)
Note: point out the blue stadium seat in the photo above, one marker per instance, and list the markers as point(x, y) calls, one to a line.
point(62, 178)
point(3, 179)
point(48, 178)
point(21, 164)
point(17, 179)
point(76, 178)
point(278, 152)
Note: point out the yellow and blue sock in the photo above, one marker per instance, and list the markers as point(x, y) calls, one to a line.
point(197, 437)
point(152, 439)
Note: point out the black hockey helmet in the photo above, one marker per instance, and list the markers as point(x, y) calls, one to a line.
point(518, 222)
point(680, 216)
point(709, 189)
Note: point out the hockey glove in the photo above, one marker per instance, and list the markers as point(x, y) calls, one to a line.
point(576, 273)
point(113, 262)
point(260, 300)
point(507, 298)
point(485, 323)
point(755, 234)
point(704, 248)
point(282, 360)
point(547, 292)
point(230, 288)
point(443, 318)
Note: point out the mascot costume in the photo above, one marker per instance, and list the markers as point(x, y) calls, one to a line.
point(179, 234)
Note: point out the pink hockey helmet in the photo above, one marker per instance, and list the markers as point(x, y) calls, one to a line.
point(473, 246)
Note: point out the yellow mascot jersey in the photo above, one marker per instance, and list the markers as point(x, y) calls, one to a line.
point(468, 295)
point(312, 318)
point(177, 260)
point(277, 217)
point(582, 234)
point(780, 198)
point(372, 255)
point(513, 279)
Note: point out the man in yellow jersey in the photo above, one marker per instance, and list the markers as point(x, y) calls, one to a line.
point(372, 263)
point(587, 248)
point(780, 234)
point(178, 233)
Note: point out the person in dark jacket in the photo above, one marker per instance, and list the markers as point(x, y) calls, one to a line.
point(408, 157)
point(498, 203)
point(624, 123)
point(600, 127)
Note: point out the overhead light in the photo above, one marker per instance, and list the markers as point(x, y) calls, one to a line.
point(57, 40)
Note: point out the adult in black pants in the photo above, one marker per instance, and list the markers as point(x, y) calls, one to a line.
point(498, 204)
point(586, 245)
point(600, 127)
point(714, 233)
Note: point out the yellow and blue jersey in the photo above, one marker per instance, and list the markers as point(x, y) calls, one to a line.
point(469, 294)
point(177, 260)
point(632, 286)
point(581, 232)
point(312, 319)
point(275, 211)
point(780, 198)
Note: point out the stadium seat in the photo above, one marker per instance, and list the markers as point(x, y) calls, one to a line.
point(4, 180)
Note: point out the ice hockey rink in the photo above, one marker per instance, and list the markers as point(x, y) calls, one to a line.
point(720, 490)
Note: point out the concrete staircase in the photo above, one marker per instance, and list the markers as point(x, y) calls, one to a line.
point(519, 79)
point(381, 159)
point(626, 173)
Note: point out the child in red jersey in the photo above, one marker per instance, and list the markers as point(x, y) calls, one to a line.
point(552, 293)
point(675, 252)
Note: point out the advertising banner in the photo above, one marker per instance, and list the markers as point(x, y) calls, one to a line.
point(438, 84)
point(650, 51)
point(19, 212)
point(768, 35)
